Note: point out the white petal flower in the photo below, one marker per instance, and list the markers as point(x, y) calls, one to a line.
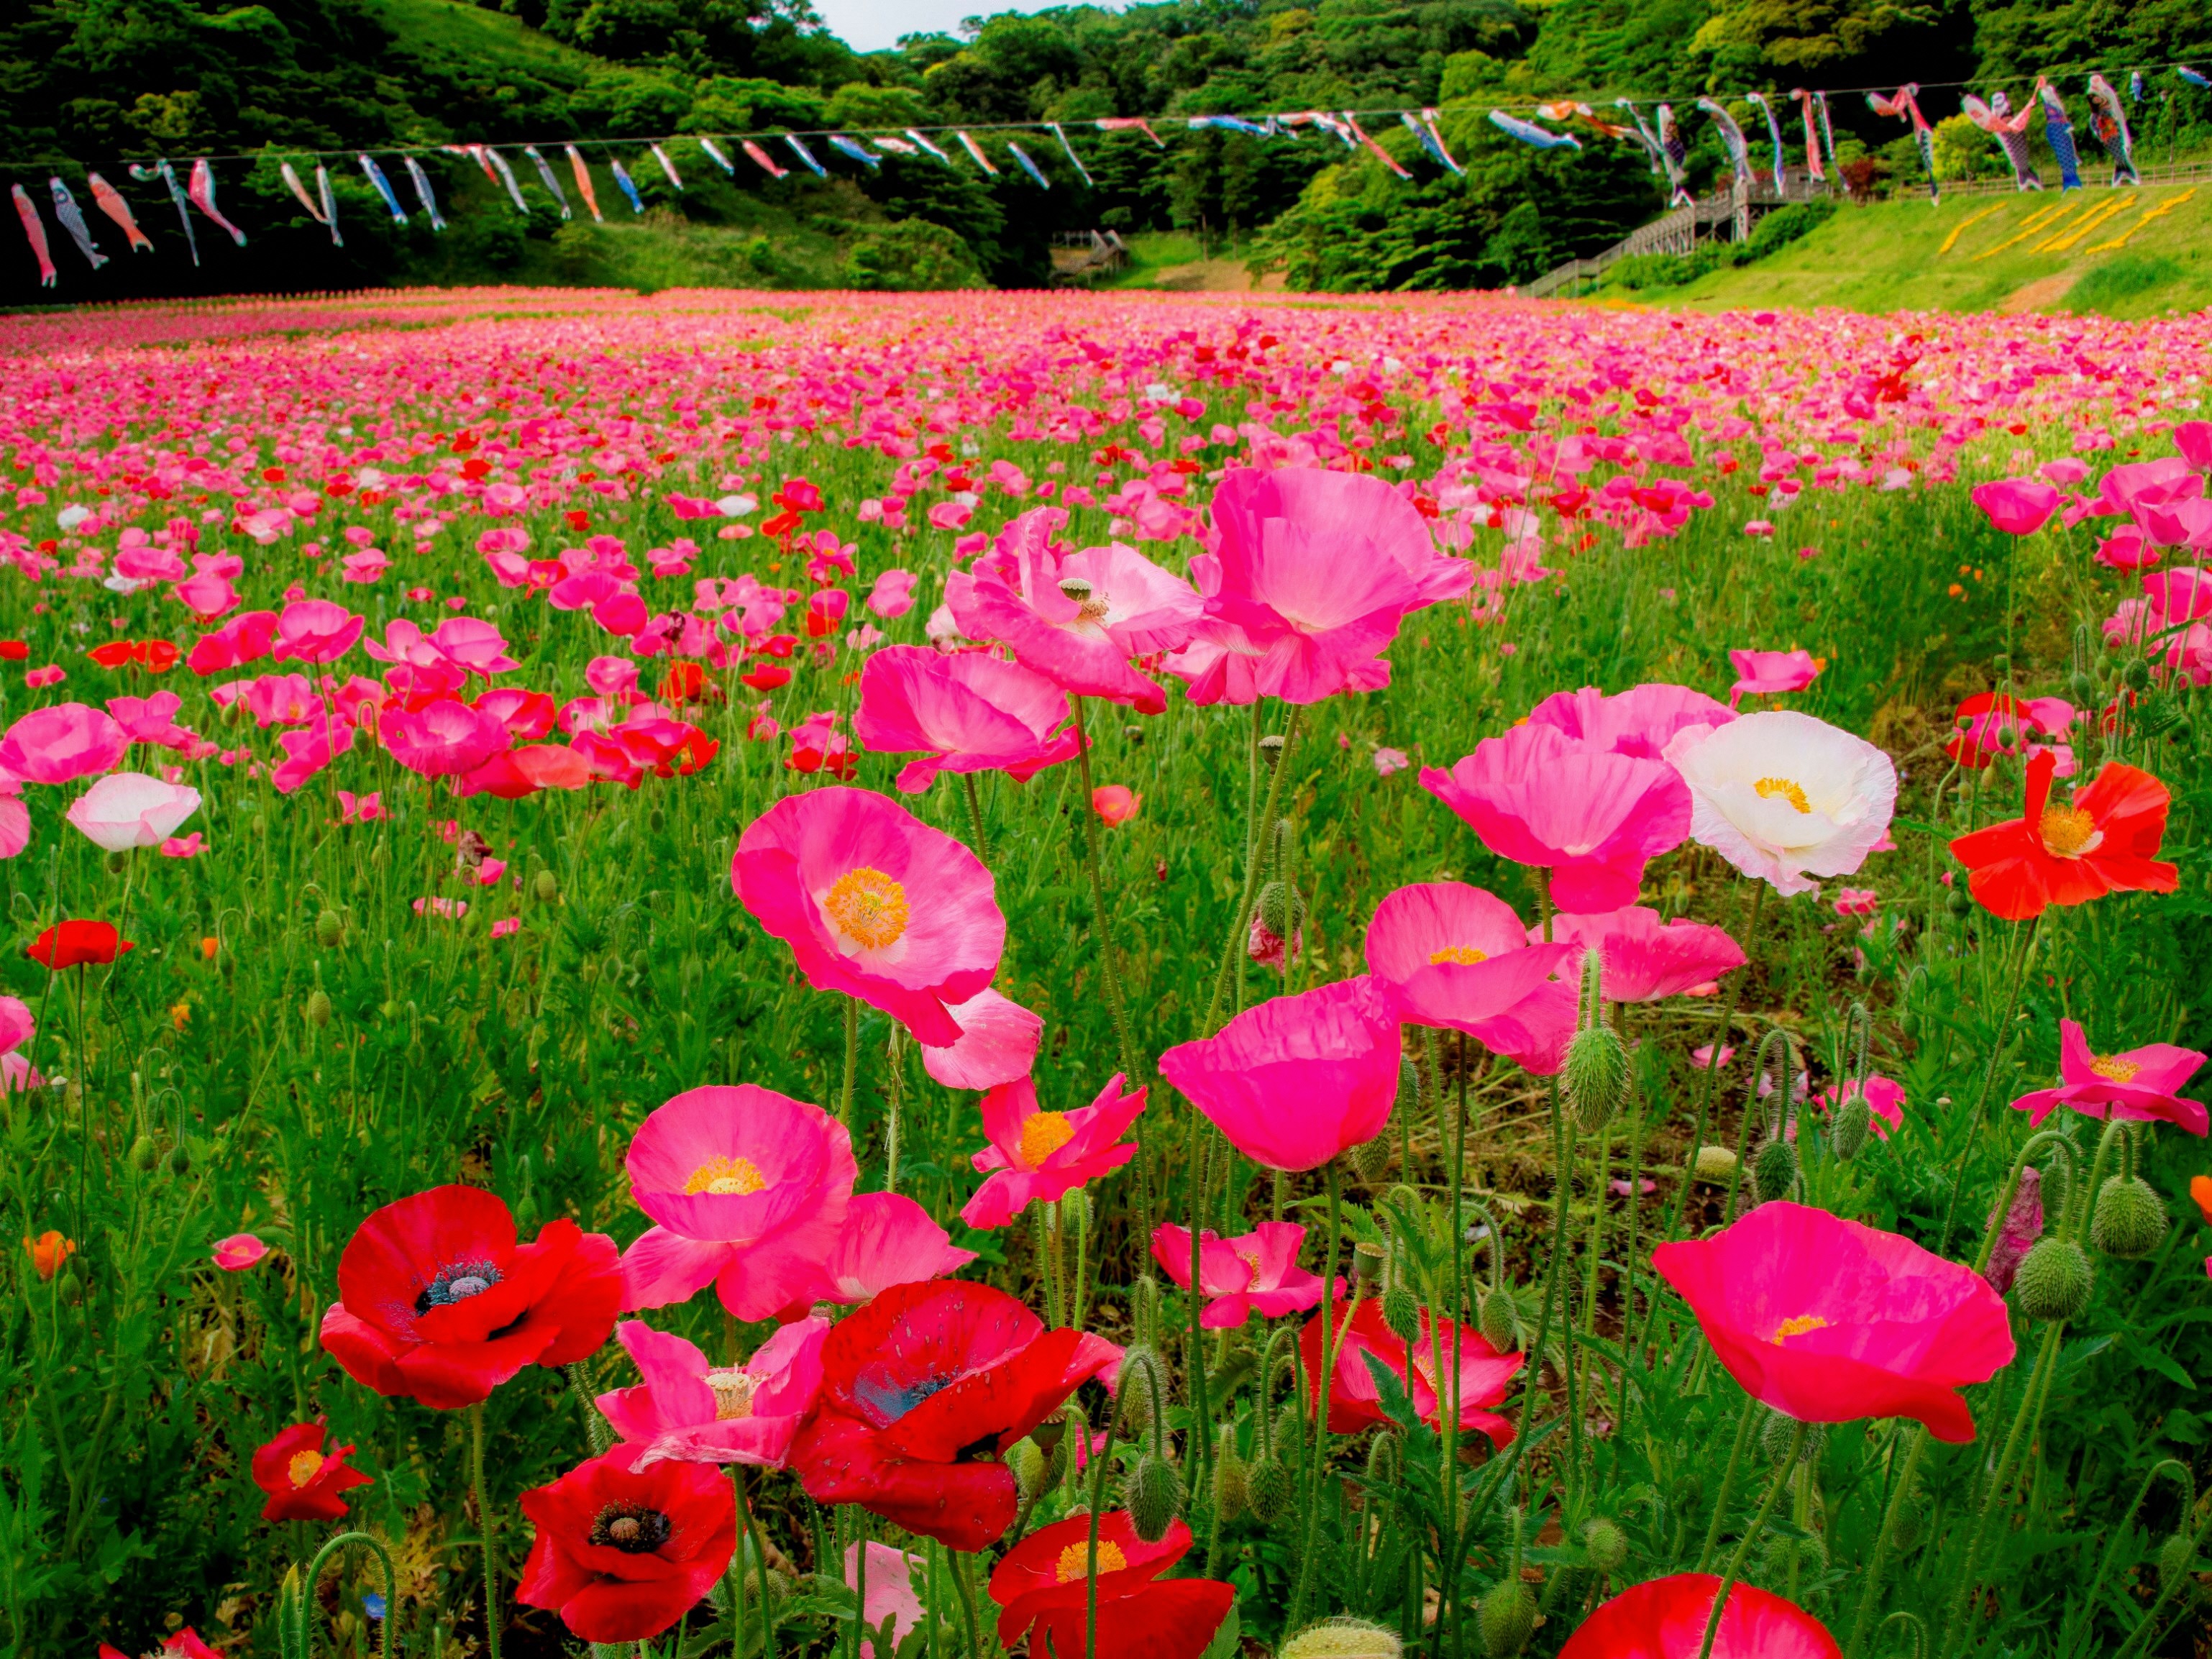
point(1785, 796)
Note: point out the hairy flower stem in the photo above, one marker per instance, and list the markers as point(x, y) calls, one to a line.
point(1126, 1046)
point(852, 1061)
point(1743, 1545)
point(1745, 1419)
point(1252, 866)
point(1900, 1499)
point(1711, 1074)
point(894, 1090)
point(1998, 1050)
point(963, 1576)
point(1323, 1378)
point(974, 815)
point(1201, 1421)
point(1536, 1365)
point(2030, 1408)
point(484, 1529)
point(1100, 1460)
point(859, 1578)
point(1450, 1611)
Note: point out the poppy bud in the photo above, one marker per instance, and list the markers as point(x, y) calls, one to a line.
point(2080, 687)
point(2130, 1220)
point(71, 1285)
point(1774, 1170)
point(330, 930)
point(1134, 1388)
point(1370, 1161)
point(656, 820)
point(180, 1161)
point(1605, 1544)
point(1409, 1086)
point(2137, 674)
point(1774, 1439)
point(1509, 1618)
point(1495, 1317)
point(1808, 1555)
point(144, 1154)
point(1849, 1131)
point(1282, 910)
point(226, 963)
point(117, 863)
point(2175, 1558)
point(1230, 1484)
point(1271, 750)
point(1343, 1639)
point(526, 1213)
point(1958, 902)
point(1153, 1493)
point(317, 1010)
point(1030, 1470)
point(2182, 729)
point(1596, 1075)
point(1401, 1313)
point(1270, 1490)
point(258, 825)
point(2054, 1280)
point(546, 885)
point(1132, 734)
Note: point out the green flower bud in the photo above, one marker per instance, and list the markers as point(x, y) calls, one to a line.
point(2177, 1557)
point(1282, 910)
point(1270, 1490)
point(71, 1285)
point(2081, 688)
point(1028, 1465)
point(2131, 1220)
point(145, 1155)
point(546, 885)
point(1808, 1555)
point(1401, 1313)
point(180, 1161)
point(117, 863)
point(1714, 1163)
point(1597, 1076)
point(1371, 1159)
point(1605, 1544)
point(1848, 1132)
point(1409, 1086)
point(2054, 1280)
point(1774, 1439)
point(1496, 1316)
point(330, 930)
point(2137, 673)
point(1134, 1388)
point(1153, 1493)
point(1344, 1638)
point(1774, 1171)
point(317, 1010)
point(1509, 1618)
point(1958, 902)
point(1231, 1479)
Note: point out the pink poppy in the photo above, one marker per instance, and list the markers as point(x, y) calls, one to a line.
point(1770, 673)
point(1645, 959)
point(307, 752)
point(151, 720)
point(316, 630)
point(893, 594)
point(890, 1593)
point(1115, 804)
point(970, 712)
point(1666, 1619)
point(694, 1413)
point(1255, 1273)
point(1297, 1079)
point(610, 676)
point(1594, 819)
point(360, 809)
point(128, 809)
point(1453, 956)
point(245, 638)
point(873, 902)
point(1076, 618)
point(1640, 721)
point(206, 595)
point(62, 744)
point(2140, 1083)
point(1885, 1097)
point(239, 1252)
point(2019, 506)
point(998, 1043)
point(1388, 761)
point(1830, 1321)
point(1355, 1401)
point(888, 1239)
point(443, 740)
point(1042, 1155)
point(747, 1189)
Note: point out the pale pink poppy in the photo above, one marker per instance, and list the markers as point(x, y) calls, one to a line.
point(998, 1043)
point(688, 1411)
point(443, 740)
point(1644, 959)
point(316, 630)
point(1593, 817)
point(893, 594)
point(1255, 1273)
point(1785, 797)
point(1388, 761)
point(887, 1239)
point(610, 676)
point(1640, 721)
point(1770, 673)
point(1453, 956)
point(969, 712)
point(239, 1252)
point(62, 744)
point(873, 902)
point(747, 1189)
point(1040, 1155)
point(128, 809)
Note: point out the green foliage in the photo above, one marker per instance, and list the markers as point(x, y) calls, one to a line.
point(909, 255)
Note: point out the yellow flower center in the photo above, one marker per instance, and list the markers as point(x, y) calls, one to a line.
point(726, 1175)
point(2112, 1067)
point(733, 1392)
point(1788, 789)
point(303, 1468)
point(1045, 1134)
point(1076, 1557)
point(1797, 1327)
point(1465, 955)
point(1251, 1260)
point(2067, 831)
point(868, 906)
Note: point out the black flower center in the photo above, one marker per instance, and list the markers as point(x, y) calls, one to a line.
point(457, 1283)
point(630, 1528)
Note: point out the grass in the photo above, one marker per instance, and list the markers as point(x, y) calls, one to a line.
point(454, 29)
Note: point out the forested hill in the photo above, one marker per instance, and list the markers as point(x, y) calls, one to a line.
point(99, 83)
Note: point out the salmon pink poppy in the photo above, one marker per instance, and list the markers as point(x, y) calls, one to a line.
point(1593, 818)
point(1354, 1402)
point(1255, 1273)
point(923, 1390)
point(240, 1251)
point(2139, 1083)
point(969, 712)
point(62, 744)
point(1640, 721)
point(1043, 1586)
point(1666, 1619)
point(2104, 841)
point(1297, 1079)
point(74, 943)
point(1644, 959)
point(1453, 956)
point(1785, 797)
point(1115, 804)
point(887, 1239)
point(873, 902)
point(2019, 506)
point(304, 1478)
point(747, 1189)
point(621, 1553)
point(685, 1408)
point(998, 1043)
point(1043, 1156)
point(438, 1302)
point(1830, 1321)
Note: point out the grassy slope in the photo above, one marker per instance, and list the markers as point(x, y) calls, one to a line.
point(1892, 257)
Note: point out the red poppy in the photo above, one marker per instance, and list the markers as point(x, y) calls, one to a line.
point(1666, 1619)
point(304, 1481)
point(923, 1391)
point(1990, 723)
point(184, 1643)
point(767, 678)
point(73, 943)
point(683, 682)
point(1354, 1402)
point(1043, 1581)
point(437, 1301)
point(113, 654)
point(2105, 842)
point(622, 1554)
point(15, 651)
point(578, 518)
point(155, 656)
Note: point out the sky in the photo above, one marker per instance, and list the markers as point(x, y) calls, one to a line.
point(876, 25)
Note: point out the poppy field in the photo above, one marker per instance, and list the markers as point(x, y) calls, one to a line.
point(707, 976)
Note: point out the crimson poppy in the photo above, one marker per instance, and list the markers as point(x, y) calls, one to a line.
point(1043, 1581)
point(1666, 1619)
point(622, 1554)
point(113, 654)
point(73, 943)
point(2105, 842)
point(1354, 1402)
point(185, 1643)
point(155, 656)
point(923, 1390)
point(304, 1481)
point(437, 1301)
point(15, 651)
point(1991, 723)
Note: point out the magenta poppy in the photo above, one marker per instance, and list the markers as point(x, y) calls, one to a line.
point(887, 1239)
point(968, 712)
point(1354, 1401)
point(315, 630)
point(1666, 1619)
point(1640, 721)
point(1043, 1156)
point(1455, 957)
point(62, 744)
point(1257, 1271)
point(1644, 959)
point(687, 1409)
point(444, 738)
point(2019, 506)
point(2142, 1084)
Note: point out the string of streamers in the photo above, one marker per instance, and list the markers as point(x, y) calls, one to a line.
point(2059, 131)
point(1732, 139)
point(72, 218)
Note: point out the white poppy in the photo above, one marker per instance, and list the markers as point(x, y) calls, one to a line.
point(1785, 797)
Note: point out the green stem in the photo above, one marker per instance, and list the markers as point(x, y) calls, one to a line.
point(852, 1061)
point(1124, 1043)
point(1448, 1528)
point(1201, 1435)
point(974, 814)
point(1963, 1592)
point(1323, 1380)
point(1744, 1421)
point(736, 1568)
point(967, 1584)
point(1743, 1545)
point(751, 1524)
point(1900, 1499)
point(484, 1528)
point(1713, 1066)
point(1998, 1050)
point(347, 1540)
point(1230, 954)
point(1536, 1364)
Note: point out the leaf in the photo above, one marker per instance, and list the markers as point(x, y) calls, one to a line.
point(1229, 1641)
point(2151, 1359)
